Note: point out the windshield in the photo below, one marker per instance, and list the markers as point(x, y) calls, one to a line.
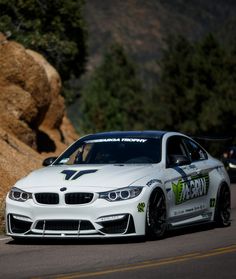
point(112, 151)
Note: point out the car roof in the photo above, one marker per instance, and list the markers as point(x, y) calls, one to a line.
point(136, 134)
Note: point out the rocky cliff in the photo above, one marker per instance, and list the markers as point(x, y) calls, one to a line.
point(33, 122)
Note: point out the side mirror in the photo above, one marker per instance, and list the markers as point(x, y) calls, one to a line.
point(48, 161)
point(178, 160)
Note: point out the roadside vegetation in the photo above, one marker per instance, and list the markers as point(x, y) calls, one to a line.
point(194, 93)
point(113, 98)
point(196, 90)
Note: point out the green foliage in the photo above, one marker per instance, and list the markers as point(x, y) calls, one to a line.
point(113, 97)
point(196, 93)
point(169, 95)
point(54, 28)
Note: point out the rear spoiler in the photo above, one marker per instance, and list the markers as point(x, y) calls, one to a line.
point(213, 138)
point(216, 145)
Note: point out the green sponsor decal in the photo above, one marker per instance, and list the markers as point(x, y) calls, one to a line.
point(212, 202)
point(141, 207)
point(186, 190)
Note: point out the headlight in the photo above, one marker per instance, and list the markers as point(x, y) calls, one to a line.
point(19, 195)
point(121, 194)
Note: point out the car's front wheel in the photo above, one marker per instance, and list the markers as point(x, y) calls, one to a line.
point(156, 215)
point(223, 208)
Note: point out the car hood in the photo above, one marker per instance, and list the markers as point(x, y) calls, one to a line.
point(97, 177)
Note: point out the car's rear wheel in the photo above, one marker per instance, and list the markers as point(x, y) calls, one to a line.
point(156, 215)
point(223, 207)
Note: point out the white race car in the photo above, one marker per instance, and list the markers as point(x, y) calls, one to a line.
point(120, 184)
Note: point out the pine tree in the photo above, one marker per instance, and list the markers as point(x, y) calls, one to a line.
point(113, 97)
point(168, 98)
point(196, 93)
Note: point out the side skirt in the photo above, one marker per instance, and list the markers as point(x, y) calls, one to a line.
point(201, 218)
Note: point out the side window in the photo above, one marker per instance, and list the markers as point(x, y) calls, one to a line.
point(175, 150)
point(196, 153)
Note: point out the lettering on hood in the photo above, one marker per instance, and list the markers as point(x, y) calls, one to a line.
point(73, 174)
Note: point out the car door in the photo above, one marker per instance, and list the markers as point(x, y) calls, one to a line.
point(186, 185)
point(199, 160)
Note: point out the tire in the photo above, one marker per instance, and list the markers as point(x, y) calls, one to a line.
point(223, 207)
point(156, 215)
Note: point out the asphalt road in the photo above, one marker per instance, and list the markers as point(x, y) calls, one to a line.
point(202, 252)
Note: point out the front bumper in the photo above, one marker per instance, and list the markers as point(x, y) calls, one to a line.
point(99, 219)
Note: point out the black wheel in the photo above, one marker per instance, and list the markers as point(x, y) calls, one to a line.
point(223, 207)
point(156, 215)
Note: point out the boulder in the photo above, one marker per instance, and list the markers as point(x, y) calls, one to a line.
point(33, 121)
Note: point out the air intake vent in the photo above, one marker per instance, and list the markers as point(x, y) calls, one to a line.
point(78, 198)
point(18, 226)
point(64, 225)
point(47, 198)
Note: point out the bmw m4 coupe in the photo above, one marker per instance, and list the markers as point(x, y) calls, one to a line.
point(120, 184)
